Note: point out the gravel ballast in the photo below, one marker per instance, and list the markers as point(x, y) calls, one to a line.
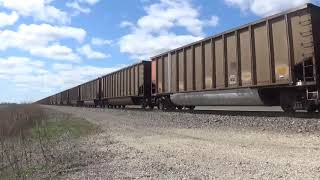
point(182, 145)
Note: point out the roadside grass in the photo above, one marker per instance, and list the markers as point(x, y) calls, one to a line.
point(16, 119)
point(73, 127)
point(37, 143)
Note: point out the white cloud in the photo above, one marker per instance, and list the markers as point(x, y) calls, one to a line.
point(80, 6)
point(91, 2)
point(100, 42)
point(142, 46)
point(69, 75)
point(34, 35)
point(40, 10)
point(266, 7)
point(29, 75)
point(56, 52)
point(8, 19)
point(214, 21)
point(76, 6)
point(170, 13)
point(13, 66)
point(38, 39)
point(125, 24)
point(153, 31)
point(87, 51)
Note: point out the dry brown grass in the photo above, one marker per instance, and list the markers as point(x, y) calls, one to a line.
point(15, 119)
point(37, 142)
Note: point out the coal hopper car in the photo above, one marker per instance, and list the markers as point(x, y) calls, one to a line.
point(59, 99)
point(128, 86)
point(65, 97)
point(45, 101)
point(53, 100)
point(90, 93)
point(274, 61)
point(74, 96)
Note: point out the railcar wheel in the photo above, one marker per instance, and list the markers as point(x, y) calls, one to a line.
point(161, 106)
point(171, 108)
point(191, 107)
point(288, 101)
point(311, 108)
point(124, 106)
point(151, 107)
point(180, 107)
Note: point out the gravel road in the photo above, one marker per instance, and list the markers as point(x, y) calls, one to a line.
point(156, 145)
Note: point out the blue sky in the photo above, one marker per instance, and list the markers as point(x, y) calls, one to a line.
point(51, 45)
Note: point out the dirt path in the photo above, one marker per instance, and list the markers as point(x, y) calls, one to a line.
point(152, 145)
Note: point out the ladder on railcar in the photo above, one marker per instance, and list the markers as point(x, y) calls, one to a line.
point(308, 71)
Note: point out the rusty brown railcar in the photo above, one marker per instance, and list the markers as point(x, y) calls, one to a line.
point(90, 93)
point(58, 99)
point(74, 96)
point(65, 97)
point(52, 100)
point(45, 101)
point(274, 61)
point(128, 86)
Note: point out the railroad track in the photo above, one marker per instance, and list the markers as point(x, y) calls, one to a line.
point(252, 113)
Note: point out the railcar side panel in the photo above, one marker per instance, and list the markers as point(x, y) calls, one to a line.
point(199, 71)
point(125, 83)
point(128, 81)
point(280, 50)
point(154, 77)
point(64, 97)
point(220, 63)
point(166, 74)
point(246, 76)
point(141, 80)
point(232, 60)
point(182, 72)
point(316, 36)
point(59, 99)
point(136, 80)
point(208, 64)
point(262, 54)
point(174, 72)
point(120, 84)
point(132, 80)
point(160, 76)
point(74, 95)
point(189, 68)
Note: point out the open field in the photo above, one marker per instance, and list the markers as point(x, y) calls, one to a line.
point(156, 145)
point(37, 143)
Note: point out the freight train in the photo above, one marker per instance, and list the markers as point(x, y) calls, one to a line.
point(271, 62)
